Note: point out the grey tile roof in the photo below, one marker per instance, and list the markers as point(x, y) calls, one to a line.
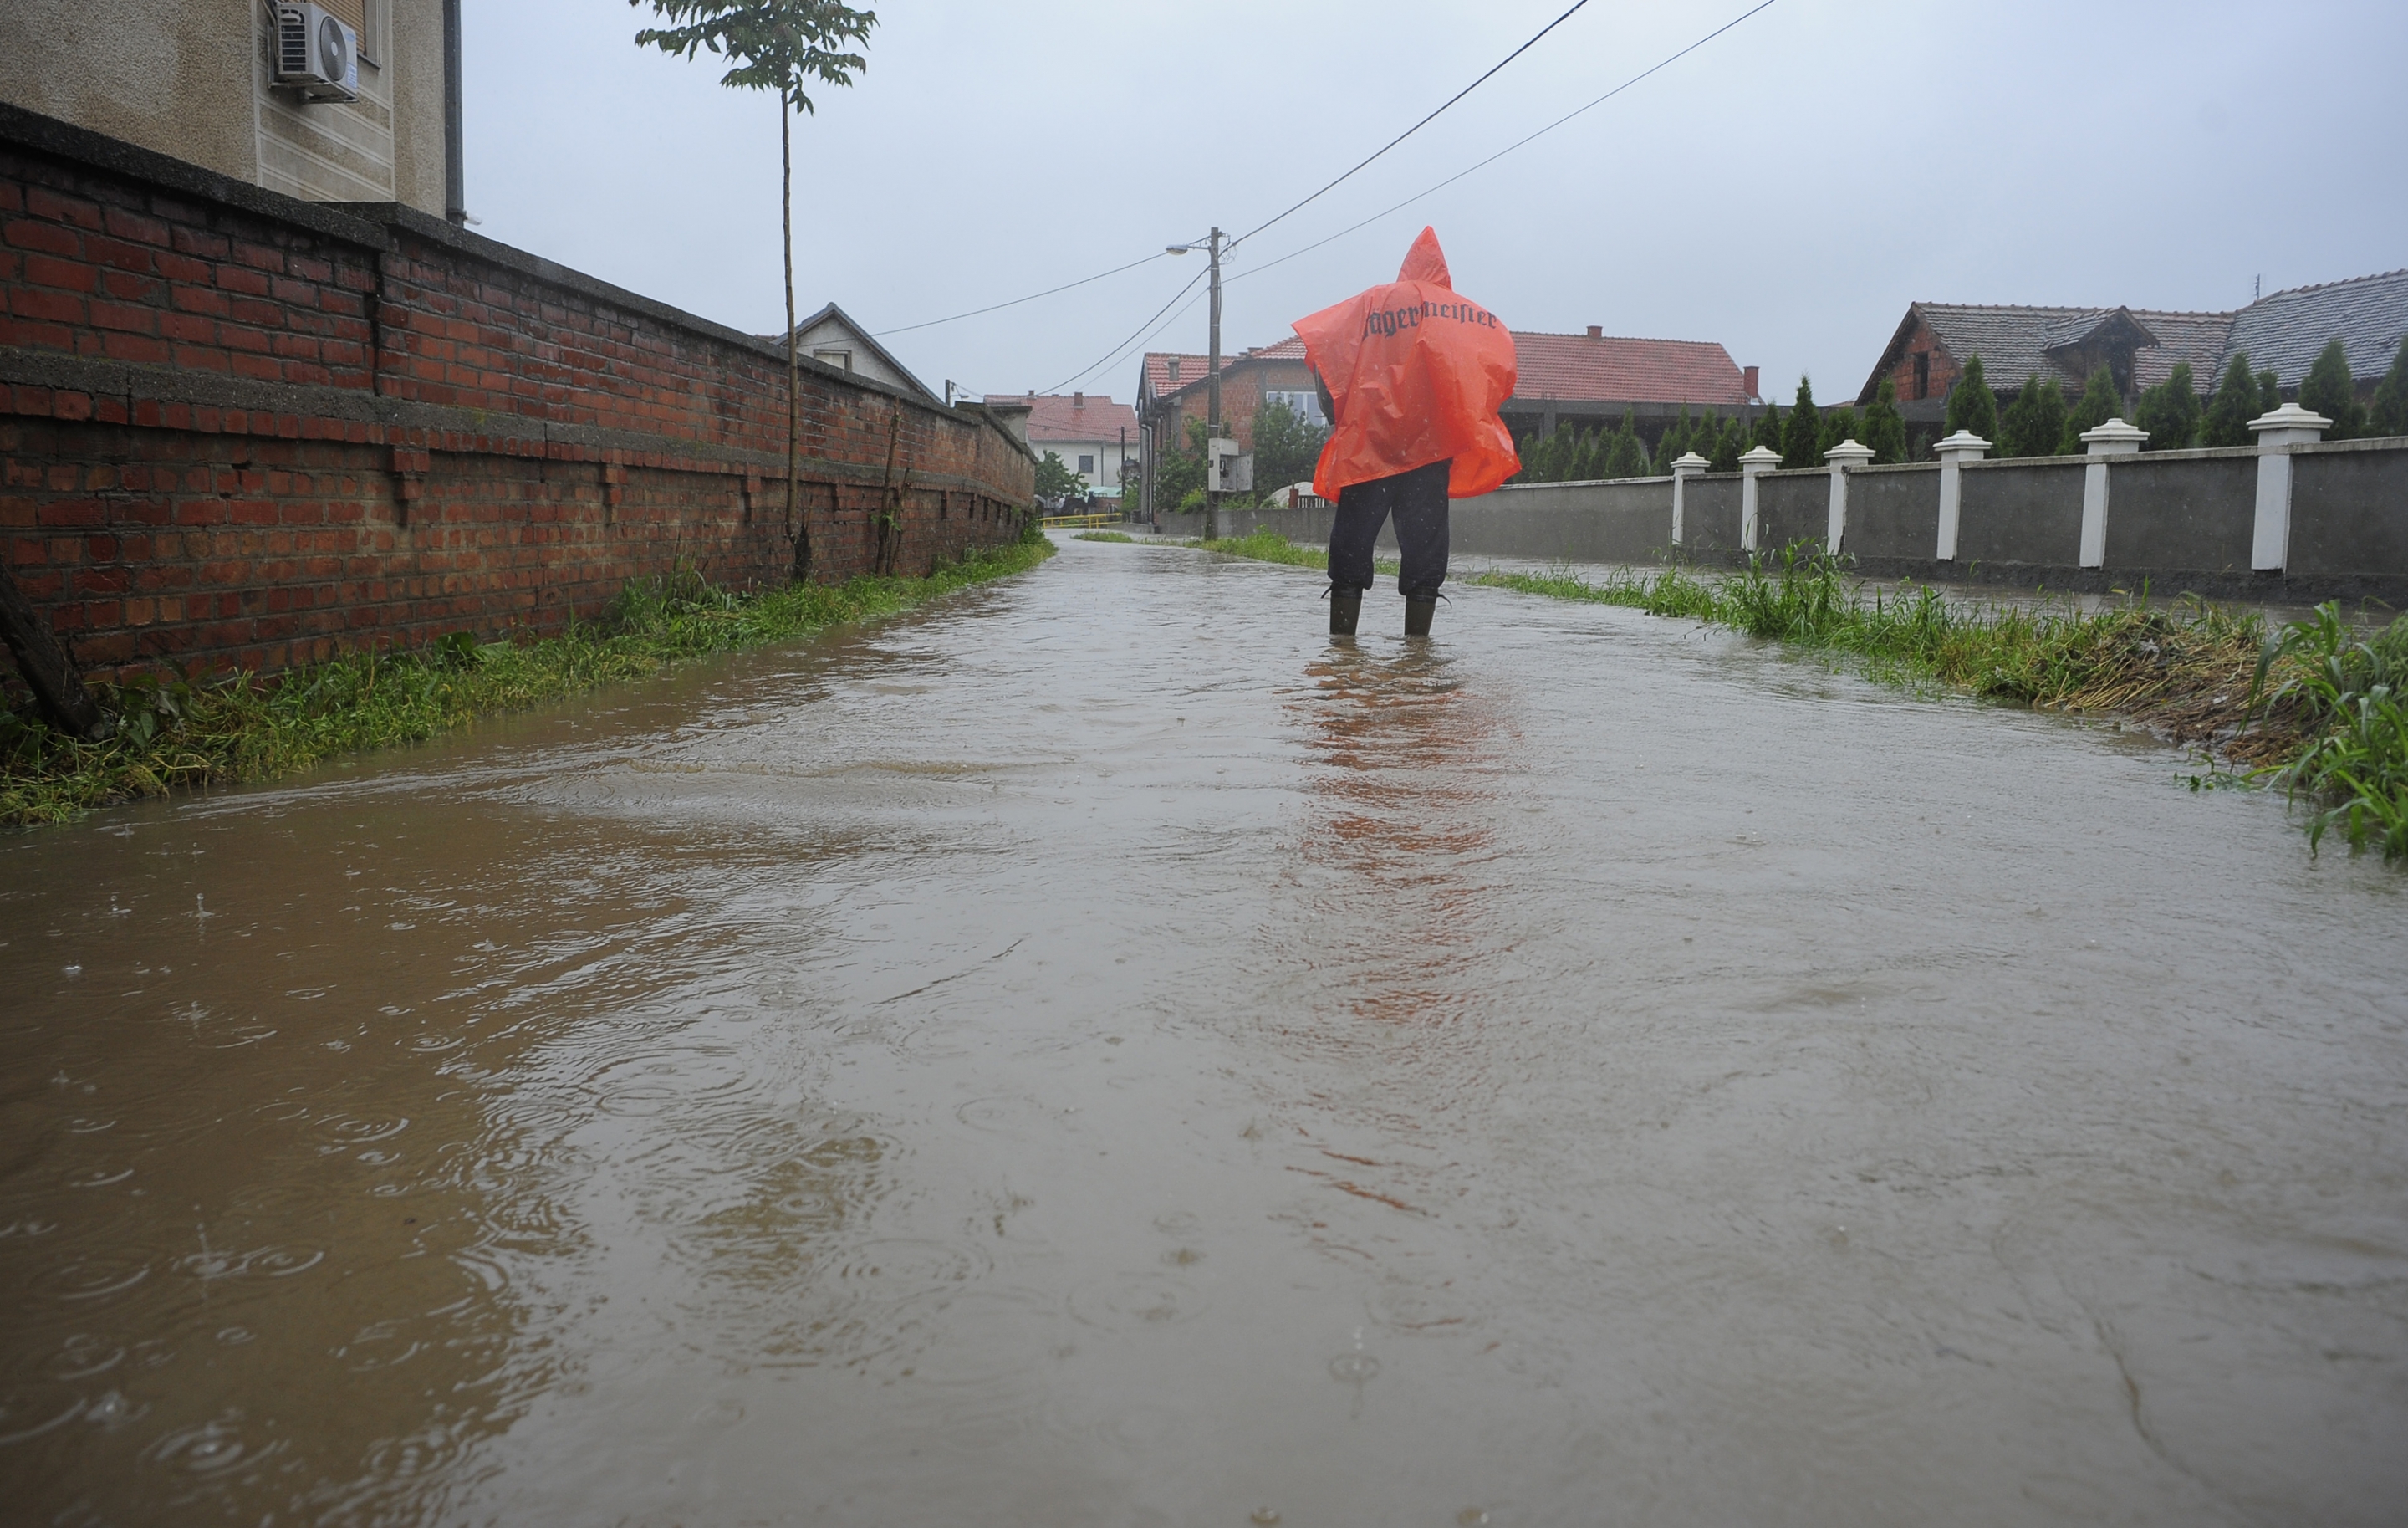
point(2013, 341)
point(2286, 330)
point(2195, 337)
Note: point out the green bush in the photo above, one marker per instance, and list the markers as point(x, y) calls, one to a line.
point(2169, 411)
point(2034, 423)
point(2330, 390)
point(1768, 428)
point(2389, 415)
point(2234, 405)
point(1287, 446)
point(1730, 438)
point(1625, 457)
point(1972, 404)
point(1885, 426)
point(2098, 403)
point(1802, 442)
point(1054, 478)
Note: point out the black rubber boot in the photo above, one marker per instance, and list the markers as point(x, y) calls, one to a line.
point(1419, 608)
point(1345, 609)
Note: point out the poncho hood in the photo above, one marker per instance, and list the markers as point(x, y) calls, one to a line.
point(1417, 373)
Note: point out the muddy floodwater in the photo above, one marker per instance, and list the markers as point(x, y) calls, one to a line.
point(1094, 1052)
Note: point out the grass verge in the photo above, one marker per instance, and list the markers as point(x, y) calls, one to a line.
point(1270, 546)
point(1101, 536)
point(179, 735)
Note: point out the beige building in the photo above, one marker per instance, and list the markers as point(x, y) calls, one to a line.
point(196, 80)
point(831, 338)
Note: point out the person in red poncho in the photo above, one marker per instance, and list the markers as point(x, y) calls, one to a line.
point(1411, 377)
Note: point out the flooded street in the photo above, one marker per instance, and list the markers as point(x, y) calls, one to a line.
point(1094, 1052)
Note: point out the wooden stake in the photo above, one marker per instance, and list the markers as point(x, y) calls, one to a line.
point(48, 669)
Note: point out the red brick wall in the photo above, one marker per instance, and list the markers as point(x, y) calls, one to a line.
point(1943, 370)
point(240, 429)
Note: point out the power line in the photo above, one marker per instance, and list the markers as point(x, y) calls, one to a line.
point(1419, 125)
point(1508, 149)
point(996, 308)
point(1015, 302)
point(1138, 338)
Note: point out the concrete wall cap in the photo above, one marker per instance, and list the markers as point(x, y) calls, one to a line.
point(2113, 437)
point(1689, 461)
point(1759, 457)
point(2290, 416)
point(1849, 453)
point(1962, 440)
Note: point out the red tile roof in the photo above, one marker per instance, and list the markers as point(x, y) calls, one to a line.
point(1613, 370)
point(1072, 416)
point(1561, 367)
point(1158, 371)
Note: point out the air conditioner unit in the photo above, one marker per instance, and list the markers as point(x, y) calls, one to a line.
point(316, 53)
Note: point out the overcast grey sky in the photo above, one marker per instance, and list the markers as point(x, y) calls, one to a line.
point(1785, 189)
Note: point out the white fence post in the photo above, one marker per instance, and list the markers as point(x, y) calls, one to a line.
point(1954, 452)
point(1845, 458)
point(1686, 466)
point(2113, 438)
point(1755, 463)
point(2270, 543)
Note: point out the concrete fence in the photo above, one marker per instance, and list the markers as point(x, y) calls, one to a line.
point(2292, 517)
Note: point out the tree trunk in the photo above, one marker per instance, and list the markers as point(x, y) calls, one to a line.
point(48, 670)
point(798, 521)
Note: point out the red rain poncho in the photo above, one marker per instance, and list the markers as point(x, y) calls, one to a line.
point(1418, 374)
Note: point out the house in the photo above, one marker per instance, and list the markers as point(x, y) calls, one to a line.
point(206, 90)
point(2140, 348)
point(831, 338)
point(1095, 437)
point(1591, 378)
point(2286, 331)
point(2282, 331)
point(1594, 377)
point(1172, 390)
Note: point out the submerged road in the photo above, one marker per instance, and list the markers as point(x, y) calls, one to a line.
point(1092, 1052)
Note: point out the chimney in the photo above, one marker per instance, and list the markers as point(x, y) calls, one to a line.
point(1077, 400)
point(1597, 331)
point(1747, 380)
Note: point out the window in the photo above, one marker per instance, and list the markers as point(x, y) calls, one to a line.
point(1923, 373)
point(1305, 406)
point(840, 359)
point(1086, 464)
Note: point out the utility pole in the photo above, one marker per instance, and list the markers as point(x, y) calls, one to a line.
point(1213, 390)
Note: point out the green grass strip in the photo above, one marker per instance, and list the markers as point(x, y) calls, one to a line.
point(1102, 536)
point(1270, 546)
point(180, 735)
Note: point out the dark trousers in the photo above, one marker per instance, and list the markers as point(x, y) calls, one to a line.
point(1417, 499)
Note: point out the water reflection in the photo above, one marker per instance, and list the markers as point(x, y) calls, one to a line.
point(1400, 829)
